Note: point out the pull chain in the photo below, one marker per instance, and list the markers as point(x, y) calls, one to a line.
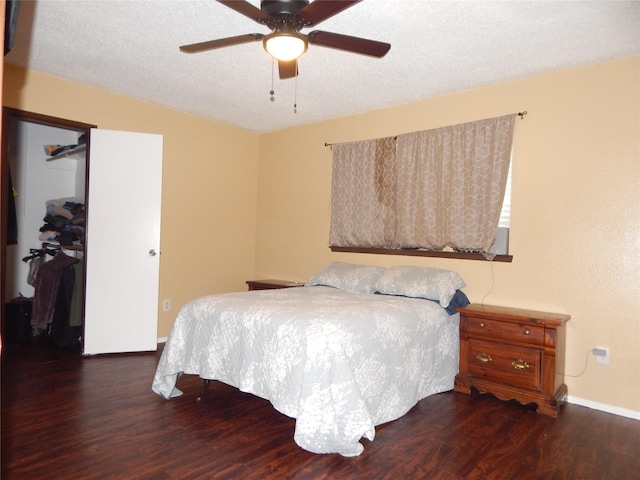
point(295, 91)
point(272, 92)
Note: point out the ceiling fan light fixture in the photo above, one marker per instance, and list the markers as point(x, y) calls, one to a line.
point(285, 46)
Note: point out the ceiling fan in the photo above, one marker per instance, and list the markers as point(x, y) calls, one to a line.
point(285, 43)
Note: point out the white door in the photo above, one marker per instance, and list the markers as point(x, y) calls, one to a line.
point(122, 242)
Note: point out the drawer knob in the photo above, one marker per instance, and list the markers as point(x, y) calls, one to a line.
point(484, 357)
point(520, 364)
point(527, 331)
point(482, 324)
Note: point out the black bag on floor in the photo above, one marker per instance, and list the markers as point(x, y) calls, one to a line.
point(17, 320)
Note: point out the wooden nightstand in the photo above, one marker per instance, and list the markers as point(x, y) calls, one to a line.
point(513, 354)
point(271, 284)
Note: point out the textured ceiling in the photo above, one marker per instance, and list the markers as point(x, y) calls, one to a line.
point(437, 48)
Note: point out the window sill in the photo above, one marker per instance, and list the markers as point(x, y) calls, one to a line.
point(422, 253)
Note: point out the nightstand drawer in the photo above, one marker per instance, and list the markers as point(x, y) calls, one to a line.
point(505, 364)
point(504, 331)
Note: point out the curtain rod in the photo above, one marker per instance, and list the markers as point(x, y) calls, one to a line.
point(520, 114)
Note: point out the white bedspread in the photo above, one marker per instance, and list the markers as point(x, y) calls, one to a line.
point(340, 363)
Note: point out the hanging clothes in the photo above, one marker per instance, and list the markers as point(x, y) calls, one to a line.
point(35, 263)
point(35, 259)
point(63, 332)
point(12, 217)
point(47, 284)
point(77, 297)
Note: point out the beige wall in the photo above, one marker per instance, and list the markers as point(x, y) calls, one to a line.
point(575, 209)
point(209, 182)
point(576, 192)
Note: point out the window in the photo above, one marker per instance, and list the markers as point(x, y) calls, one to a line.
point(501, 245)
point(427, 191)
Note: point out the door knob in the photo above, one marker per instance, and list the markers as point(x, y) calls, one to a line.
point(152, 253)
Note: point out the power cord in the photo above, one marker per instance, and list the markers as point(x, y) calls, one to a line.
point(586, 360)
point(586, 364)
point(492, 283)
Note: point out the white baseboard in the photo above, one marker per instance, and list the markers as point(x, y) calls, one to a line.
point(162, 340)
point(624, 412)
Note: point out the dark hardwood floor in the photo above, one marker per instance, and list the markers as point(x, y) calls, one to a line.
point(65, 416)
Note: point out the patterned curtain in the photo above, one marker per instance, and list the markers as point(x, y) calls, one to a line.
point(428, 189)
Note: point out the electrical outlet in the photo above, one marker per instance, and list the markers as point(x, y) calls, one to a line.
point(166, 305)
point(603, 359)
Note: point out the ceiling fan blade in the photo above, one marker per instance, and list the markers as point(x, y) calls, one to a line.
point(222, 42)
point(247, 9)
point(319, 10)
point(287, 69)
point(348, 43)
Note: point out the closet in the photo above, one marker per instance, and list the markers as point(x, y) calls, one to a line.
point(116, 178)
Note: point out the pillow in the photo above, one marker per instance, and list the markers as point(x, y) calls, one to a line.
point(420, 282)
point(345, 276)
point(460, 299)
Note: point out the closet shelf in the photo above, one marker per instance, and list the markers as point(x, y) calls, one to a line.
point(76, 248)
point(73, 152)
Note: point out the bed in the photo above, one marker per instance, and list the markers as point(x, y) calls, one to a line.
point(356, 347)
